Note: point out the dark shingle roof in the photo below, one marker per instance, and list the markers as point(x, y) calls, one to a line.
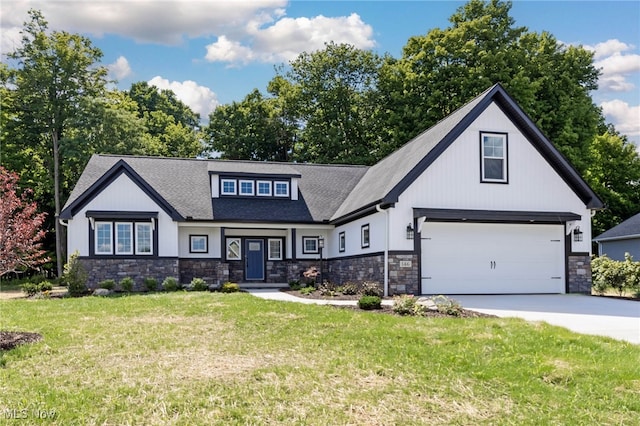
point(626, 229)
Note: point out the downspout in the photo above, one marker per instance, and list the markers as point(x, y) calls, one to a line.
point(385, 288)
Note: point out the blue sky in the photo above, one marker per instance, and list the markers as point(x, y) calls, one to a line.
point(214, 52)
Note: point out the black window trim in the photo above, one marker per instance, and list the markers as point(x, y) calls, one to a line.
point(114, 217)
point(506, 158)
point(342, 242)
point(206, 243)
point(304, 245)
point(365, 243)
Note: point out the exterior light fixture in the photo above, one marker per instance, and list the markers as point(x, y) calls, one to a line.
point(320, 242)
point(577, 234)
point(409, 232)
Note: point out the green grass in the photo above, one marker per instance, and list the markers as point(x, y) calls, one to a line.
point(212, 358)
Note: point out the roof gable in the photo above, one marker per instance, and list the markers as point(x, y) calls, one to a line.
point(385, 181)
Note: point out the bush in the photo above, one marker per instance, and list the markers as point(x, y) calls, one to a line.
point(170, 284)
point(151, 284)
point(349, 288)
point(107, 284)
point(75, 276)
point(327, 289)
point(404, 305)
point(307, 290)
point(198, 284)
point(126, 284)
point(447, 305)
point(230, 287)
point(371, 288)
point(620, 276)
point(295, 285)
point(370, 302)
point(31, 288)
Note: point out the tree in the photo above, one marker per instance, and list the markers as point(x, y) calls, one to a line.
point(252, 129)
point(55, 73)
point(444, 69)
point(332, 94)
point(20, 227)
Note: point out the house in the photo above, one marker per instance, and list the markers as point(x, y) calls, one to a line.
point(481, 203)
point(622, 238)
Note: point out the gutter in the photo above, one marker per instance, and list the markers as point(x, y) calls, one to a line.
point(385, 287)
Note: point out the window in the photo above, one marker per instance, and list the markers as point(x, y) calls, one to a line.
point(228, 186)
point(310, 245)
point(281, 189)
point(494, 157)
point(234, 249)
point(264, 188)
point(124, 238)
point(198, 243)
point(144, 243)
point(246, 187)
point(341, 242)
point(275, 249)
point(364, 236)
point(103, 237)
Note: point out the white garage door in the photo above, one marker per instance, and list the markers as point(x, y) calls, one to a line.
point(479, 258)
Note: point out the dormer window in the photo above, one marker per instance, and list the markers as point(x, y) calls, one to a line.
point(246, 187)
point(281, 189)
point(264, 188)
point(228, 186)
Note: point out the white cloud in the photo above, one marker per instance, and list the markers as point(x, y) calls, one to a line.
point(288, 37)
point(615, 65)
point(625, 117)
point(609, 48)
point(199, 98)
point(120, 68)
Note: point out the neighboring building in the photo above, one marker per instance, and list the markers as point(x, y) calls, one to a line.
point(480, 203)
point(622, 238)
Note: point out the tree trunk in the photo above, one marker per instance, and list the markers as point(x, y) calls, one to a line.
point(56, 192)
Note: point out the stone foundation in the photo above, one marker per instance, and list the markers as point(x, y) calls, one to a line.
point(579, 273)
point(212, 271)
point(403, 274)
point(100, 269)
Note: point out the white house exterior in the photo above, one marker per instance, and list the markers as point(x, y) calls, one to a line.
point(481, 203)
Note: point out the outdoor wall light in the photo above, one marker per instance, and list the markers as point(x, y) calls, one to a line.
point(577, 234)
point(320, 242)
point(409, 232)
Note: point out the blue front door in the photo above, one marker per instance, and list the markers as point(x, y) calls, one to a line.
point(254, 259)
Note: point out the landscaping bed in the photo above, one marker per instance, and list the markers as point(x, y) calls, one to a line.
point(11, 339)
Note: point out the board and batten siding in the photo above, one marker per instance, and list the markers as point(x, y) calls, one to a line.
point(453, 181)
point(352, 230)
point(122, 195)
point(213, 240)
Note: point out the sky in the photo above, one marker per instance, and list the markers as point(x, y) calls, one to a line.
point(212, 52)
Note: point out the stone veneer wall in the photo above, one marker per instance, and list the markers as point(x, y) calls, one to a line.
point(212, 271)
point(100, 269)
point(403, 277)
point(579, 273)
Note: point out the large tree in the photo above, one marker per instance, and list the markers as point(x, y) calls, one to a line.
point(56, 73)
point(440, 71)
point(21, 230)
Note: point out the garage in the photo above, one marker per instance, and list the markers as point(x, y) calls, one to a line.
point(492, 258)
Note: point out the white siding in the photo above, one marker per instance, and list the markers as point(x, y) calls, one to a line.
point(123, 195)
point(453, 182)
point(184, 241)
point(352, 231)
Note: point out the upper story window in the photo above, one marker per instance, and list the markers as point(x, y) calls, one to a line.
point(493, 165)
point(264, 188)
point(246, 187)
point(281, 189)
point(228, 186)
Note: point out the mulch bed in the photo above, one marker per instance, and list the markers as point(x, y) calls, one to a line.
point(386, 309)
point(11, 339)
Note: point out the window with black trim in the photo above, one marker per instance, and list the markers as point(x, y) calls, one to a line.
point(144, 238)
point(228, 187)
point(364, 236)
point(198, 243)
point(310, 245)
point(246, 187)
point(264, 188)
point(122, 238)
point(493, 147)
point(234, 249)
point(103, 238)
point(275, 249)
point(281, 189)
point(341, 242)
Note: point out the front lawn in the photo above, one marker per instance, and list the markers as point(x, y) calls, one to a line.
point(212, 358)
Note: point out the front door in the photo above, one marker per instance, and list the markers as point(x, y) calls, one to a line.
point(254, 267)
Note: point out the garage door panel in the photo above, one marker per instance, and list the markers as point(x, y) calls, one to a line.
point(474, 258)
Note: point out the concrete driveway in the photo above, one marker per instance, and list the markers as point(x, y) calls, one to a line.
point(599, 316)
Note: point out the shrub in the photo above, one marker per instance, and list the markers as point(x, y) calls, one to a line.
point(370, 302)
point(295, 285)
point(126, 284)
point(404, 304)
point(371, 288)
point(198, 284)
point(327, 289)
point(31, 288)
point(620, 276)
point(349, 288)
point(307, 290)
point(75, 276)
point(447, 305)
point(151, 284)
point(229, 287)
point(170, 284)
point(107, 284)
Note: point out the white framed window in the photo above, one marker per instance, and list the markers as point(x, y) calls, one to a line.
point(310, 245)
point(124, 238)
point(364, 236)
point(144, 242)
point(264, 188)
point(246, 187)
point(493, 165)
point(103, 238)
point(281, 189)
point(275, 249)
point(234, 249)
point(198, 243)
point(342, 242)
point(228, 187)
